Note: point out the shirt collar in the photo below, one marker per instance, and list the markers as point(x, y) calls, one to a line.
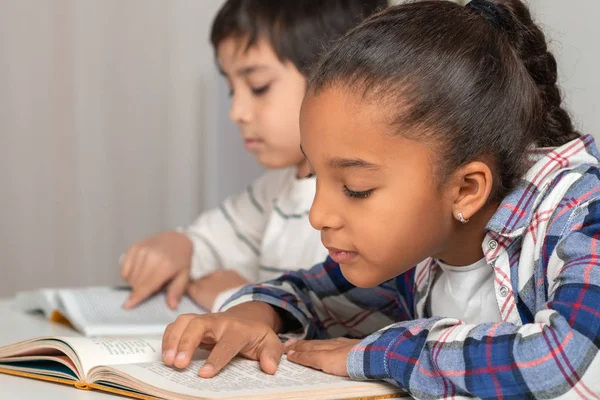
point(516, 211)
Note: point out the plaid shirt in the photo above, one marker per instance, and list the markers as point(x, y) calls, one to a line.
point(543, 246)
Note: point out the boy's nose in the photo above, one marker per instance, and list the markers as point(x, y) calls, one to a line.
point(239, 112)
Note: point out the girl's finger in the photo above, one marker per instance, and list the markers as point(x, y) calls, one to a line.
point(170, 341)
point(313, 345)
point(227, 347)
point(269, 354)
point(190, 340)
point(313, 359)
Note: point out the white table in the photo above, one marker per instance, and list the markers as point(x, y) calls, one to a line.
point(16, 326)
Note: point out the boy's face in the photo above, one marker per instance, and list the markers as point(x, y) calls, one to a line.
point(266, 98)
point(378, 205)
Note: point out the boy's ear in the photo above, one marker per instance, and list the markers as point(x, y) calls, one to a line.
point(472, 185)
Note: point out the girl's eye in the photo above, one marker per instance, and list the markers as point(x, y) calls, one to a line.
point(259, 91)
point(310, 175)
point(230, 93)
point(358, 195)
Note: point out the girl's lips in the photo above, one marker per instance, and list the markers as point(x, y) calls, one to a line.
point(342, 256)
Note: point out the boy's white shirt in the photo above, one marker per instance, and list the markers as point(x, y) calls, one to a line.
point(260, 233)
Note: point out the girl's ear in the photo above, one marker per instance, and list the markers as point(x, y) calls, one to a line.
point(471, 188)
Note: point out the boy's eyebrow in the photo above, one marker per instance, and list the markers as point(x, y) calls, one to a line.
point(250, 69)
point(244, 71)
point(342, 163)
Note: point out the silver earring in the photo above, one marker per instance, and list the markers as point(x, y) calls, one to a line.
point(462, 219)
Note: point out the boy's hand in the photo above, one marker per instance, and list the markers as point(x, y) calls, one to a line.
point(327, 355)
point(154, 262)
point(205, 290)
point(248, 329)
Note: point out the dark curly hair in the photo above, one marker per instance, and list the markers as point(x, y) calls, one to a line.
point(478, 84)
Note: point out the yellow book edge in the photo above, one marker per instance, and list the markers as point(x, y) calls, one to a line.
point(58, 318)
point(90, 386)
point(77, 384)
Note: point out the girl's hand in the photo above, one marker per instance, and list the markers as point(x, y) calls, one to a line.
point(327, 355)
point(205, 290)
point(248, 329)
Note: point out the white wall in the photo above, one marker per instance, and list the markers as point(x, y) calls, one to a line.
point(108, 120)
point(574, 30)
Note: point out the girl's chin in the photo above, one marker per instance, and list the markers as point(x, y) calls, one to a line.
point(361, 275)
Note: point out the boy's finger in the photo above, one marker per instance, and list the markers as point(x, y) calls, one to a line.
point(149, 281)
point(226, 348)
point(176, 289)
point(141, 291)
point(139, 268)
point(127, 264)
point(170, 341)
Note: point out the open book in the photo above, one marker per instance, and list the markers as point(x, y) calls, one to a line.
point(97, 311)
point(133, 367)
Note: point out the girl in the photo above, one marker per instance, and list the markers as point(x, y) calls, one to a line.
point(438, 139)
point(264, 50)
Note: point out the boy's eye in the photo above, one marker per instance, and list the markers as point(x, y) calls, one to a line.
point(358, 195)
point(230, 93)
point(260, 90)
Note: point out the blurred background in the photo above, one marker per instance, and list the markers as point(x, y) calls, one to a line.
point(113, 126)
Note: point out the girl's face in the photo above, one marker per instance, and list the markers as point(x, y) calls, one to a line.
point(378, 205)
point(266, 98)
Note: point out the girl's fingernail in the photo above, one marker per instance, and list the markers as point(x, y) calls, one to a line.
point(169, 354)
point(181, 356)
point(207, 368)
point(289, 353)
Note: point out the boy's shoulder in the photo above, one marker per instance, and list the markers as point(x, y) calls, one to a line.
point(277, 177)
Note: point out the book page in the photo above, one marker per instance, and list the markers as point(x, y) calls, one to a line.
point(112, 351)
point(44, 301)
point(241, 377)
point(98, 311)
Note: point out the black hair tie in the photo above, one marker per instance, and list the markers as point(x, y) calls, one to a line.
point(487, 10)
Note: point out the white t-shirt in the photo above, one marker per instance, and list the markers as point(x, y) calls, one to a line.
point(261, 233)
point(465, 293)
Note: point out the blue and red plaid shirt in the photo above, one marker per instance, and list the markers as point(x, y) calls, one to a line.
point(543, 246)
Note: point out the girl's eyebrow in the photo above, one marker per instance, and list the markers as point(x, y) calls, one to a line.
point(345, 163)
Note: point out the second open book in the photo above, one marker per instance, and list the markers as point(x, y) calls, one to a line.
point(98, 311)
point(133, 367)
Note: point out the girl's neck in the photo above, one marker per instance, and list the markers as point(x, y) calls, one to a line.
point(465, 248)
